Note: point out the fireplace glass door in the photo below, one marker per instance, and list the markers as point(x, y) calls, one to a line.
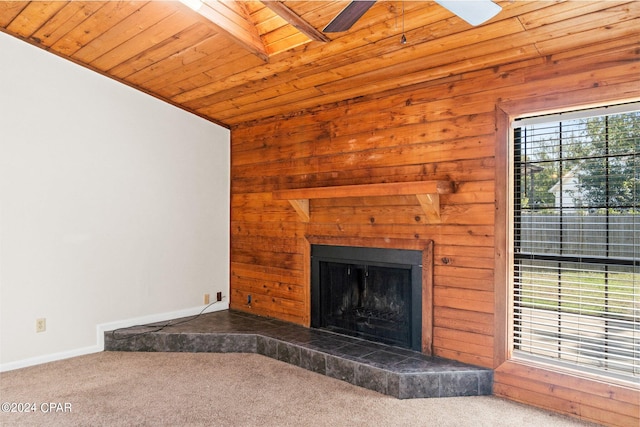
point(372, 293)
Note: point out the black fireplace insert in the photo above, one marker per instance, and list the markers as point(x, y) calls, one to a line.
point(371, 293)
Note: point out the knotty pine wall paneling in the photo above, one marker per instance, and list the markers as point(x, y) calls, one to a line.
point(437, 130)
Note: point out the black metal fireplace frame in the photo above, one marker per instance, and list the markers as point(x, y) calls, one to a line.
point(383, 257)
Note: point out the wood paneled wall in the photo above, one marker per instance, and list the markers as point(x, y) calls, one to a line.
point(444, 129)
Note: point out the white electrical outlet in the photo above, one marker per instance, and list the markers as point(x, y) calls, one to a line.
point(41, 325)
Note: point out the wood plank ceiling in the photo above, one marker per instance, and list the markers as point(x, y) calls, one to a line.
point(253, 63)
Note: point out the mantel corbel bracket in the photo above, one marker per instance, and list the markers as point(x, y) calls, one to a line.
point(430, 204)
point(301, 206)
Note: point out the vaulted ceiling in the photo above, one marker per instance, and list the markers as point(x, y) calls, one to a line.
point(238, 61)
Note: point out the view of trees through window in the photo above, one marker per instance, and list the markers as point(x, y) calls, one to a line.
point(577, 240)
point(597, 154)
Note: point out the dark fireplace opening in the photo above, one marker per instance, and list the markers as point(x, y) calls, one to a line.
point(371, 293)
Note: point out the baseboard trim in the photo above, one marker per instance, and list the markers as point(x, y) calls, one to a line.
point(102, 328)
point(46, 358)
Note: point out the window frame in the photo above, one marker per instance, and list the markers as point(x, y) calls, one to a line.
point(506, 112)
point(559, 265)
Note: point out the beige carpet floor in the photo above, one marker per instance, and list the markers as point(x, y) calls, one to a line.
point(204, 389)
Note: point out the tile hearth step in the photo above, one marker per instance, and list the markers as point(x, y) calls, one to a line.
point(393, 371)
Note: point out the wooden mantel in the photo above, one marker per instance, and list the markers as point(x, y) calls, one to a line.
point(426, 192)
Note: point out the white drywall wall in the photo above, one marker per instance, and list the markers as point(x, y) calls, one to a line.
point(114, 206)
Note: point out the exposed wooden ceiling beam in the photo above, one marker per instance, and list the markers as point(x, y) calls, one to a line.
point(231, 18)
point(292, 18)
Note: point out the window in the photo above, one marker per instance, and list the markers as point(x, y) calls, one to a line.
point(576, 223)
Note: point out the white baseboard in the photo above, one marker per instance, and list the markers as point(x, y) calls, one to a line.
point(46, 358)
point(102, 328)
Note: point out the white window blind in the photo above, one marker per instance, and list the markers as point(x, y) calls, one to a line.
point(577, 239)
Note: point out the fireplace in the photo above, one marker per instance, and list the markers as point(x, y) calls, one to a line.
point(371, 293)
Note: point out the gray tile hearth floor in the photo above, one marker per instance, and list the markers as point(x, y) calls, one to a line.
point(389, 370)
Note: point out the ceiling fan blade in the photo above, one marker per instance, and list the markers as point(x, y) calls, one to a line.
point(349, 15)
point(475, 12)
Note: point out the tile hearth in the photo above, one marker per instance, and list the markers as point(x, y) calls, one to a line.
point(389, 370)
